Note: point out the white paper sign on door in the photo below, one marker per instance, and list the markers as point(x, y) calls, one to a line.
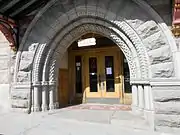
point(109, 71)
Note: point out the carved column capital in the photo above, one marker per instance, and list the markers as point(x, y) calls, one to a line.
point(37, 84)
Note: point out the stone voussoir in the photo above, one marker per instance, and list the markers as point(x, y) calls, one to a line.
point(147, 29)
point(155, 41)
point(160, 55)
point(163, 70)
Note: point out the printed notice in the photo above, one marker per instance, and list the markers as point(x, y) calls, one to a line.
point(109, 71)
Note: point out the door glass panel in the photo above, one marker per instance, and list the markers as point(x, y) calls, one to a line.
point(109, 70)
point(78, 66)
point(127, 85)
point(93, 74)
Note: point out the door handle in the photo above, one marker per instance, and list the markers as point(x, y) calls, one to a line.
point(119, 78)
point(99, 78)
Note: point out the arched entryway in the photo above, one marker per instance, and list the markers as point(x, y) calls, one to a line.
point(142, 36)
point(94, 70)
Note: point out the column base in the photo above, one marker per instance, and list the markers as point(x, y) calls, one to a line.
point(44, 108)
point(149, 116)
point(57, 105)
point(36, 109)
point(136, 110)
point(54, 106)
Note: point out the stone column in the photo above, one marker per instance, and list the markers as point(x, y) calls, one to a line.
point(141, 97)
point(52, 96)
point(148, 106)
point(44, 96)
point(147, 97)
point(134, 98)
point(36, 97)
point(151, 99)
point(57, 97)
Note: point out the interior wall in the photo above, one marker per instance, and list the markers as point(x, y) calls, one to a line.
point(4, 72)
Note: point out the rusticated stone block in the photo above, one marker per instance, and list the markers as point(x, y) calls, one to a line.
point(163, 70)
point(135, 23)
point(23, 76)
point(19, 103)
point(167, 120)
point(166, 94)
point(26, 61)
point(169, 108)
point(147, 29)
point(170, 130)
point(155, 41)
point(160, 55)
point(19, 95)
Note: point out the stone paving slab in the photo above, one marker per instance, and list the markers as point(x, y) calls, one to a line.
point(87, 115)
point(70, 122)
point(58, 126)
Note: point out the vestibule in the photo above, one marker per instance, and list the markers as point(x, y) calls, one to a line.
point(95, 74)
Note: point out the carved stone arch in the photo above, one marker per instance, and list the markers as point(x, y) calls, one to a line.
point(129, 51)
point(142, 31)
point(123, 26)
point(124, 47)
point(127, 26)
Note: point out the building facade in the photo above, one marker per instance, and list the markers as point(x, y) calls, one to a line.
point(93, 51)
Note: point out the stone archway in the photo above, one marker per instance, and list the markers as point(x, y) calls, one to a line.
point(142, 36)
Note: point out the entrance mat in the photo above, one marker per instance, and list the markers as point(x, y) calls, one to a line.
point(102, 107)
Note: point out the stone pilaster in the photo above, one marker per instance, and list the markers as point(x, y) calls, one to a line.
point(134, 97)
point(148, 105)
point(52, 95)
point(141, 97)
point(37, 95)
point(45, 96)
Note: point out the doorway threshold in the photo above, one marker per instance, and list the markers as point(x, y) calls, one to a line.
point(89, 106)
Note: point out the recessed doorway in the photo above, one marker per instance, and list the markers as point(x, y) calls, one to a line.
point(96, 74)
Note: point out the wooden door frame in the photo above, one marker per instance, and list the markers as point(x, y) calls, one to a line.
point(82, 52)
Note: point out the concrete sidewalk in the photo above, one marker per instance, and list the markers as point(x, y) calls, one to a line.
point(74, 122)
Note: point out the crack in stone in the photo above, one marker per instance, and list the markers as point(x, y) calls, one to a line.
point(28, 129)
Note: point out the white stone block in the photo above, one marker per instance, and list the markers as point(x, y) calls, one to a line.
point(4, 96)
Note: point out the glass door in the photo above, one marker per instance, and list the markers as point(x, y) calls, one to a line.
point(92, 72)
point(103, 76)
point(112, 76)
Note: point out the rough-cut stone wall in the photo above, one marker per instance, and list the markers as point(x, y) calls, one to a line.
point(4, 72)
point(142, 36)
point(20, 97)
point(166, 103)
